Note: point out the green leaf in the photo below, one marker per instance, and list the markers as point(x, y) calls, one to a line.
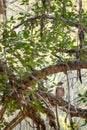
point(26, 34)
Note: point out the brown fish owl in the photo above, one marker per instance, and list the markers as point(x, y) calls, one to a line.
point(60, 90)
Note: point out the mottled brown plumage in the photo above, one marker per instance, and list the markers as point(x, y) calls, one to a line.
point(60, 90)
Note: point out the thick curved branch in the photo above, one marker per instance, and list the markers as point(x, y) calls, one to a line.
point(75, 112)
point(52, 69)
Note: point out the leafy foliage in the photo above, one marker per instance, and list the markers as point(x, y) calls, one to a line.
point(33, 41)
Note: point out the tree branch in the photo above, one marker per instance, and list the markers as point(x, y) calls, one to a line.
point(14, 122)
point(74, 112)
point(52, 69)
point(48, 16)
point(2, 111)
point(83, 51)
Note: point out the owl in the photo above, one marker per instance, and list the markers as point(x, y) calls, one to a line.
point(60, 90)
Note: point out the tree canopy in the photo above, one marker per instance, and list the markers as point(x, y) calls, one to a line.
point(43, 44)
